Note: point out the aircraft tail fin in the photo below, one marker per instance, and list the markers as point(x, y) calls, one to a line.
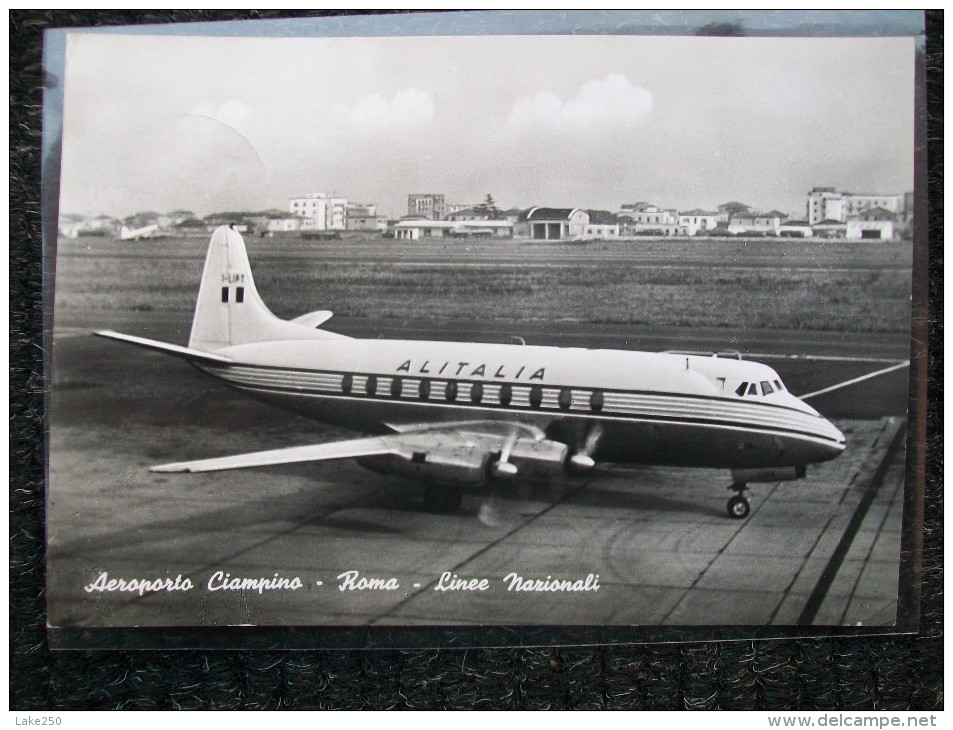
point(229, 310)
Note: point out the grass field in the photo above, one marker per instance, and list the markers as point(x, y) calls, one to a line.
point(752, 284)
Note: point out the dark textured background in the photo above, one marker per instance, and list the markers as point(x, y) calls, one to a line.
point(899, 672)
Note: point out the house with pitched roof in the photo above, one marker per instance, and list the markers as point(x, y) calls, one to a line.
point(829, 228)
point(874, 223)
point(795, 229)
point(759, 224)
point(698, 221)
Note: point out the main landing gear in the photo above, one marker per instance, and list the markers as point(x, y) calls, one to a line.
point(738, 506)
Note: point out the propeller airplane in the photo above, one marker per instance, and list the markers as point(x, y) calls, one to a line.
point(456, 415)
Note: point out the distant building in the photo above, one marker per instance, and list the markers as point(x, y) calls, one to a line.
point(284, 225)
point(830, 229)
point(365, 218)
point(468, 214)
point(829, 204)
point(180, 215)
point(651, 216)
point(874, 224)
point(70, 225)
point(432, 206)
point(698, 221)
point(456, 207)
point(795, 229)
point(603, 224)
point(414, 230)
point(100, 224)
point(548, 224)
point(328, 212)
point(645, 219)
point(762, 224)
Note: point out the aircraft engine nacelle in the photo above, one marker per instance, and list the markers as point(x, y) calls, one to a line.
point(460, 465)
point(773, 474)
point(538, 459)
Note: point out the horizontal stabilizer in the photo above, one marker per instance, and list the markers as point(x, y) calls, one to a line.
point(314, 319)
point(165, 347)
point(293, 455)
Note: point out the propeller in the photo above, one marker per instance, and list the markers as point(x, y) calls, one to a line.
point(493, 512)
point(581, 461)
point(502, 468)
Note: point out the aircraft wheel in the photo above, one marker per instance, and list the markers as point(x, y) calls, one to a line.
point(442, 500)
point(738, 507)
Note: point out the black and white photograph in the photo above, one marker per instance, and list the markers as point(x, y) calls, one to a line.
point(479, 331)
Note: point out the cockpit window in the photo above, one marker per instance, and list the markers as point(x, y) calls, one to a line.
point(765, 387)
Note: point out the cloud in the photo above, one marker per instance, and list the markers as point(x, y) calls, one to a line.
point(609, 102)
point(409, 108)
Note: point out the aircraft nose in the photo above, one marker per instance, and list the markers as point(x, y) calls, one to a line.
point(839, 440)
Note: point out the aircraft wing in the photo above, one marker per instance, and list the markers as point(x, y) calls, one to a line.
point(452, 450)
point(293, 455)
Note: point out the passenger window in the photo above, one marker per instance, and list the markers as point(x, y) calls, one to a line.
point(766, 387)
point(740, 390)
point(535, 396)
point(424, 392)
point(452, 390)
point(347, 382)
point(753, 389)
point(240, 294)
point(506, 394)
point(565, 398)
point(596, 400)
point(395, 387)
point(476, 392)
point(371, 386)
point(224, 293)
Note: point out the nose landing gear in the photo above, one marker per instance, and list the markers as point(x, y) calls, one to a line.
point(738, 506)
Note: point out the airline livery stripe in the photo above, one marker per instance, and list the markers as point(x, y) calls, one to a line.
point(619, 404)
point(615, 402)
point(741, 411)
point(219, 371)
point(811, 436)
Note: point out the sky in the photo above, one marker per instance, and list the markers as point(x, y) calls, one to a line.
point(211, 124)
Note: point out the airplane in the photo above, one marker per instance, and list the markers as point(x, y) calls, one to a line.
point(137, 234)
point(457, 414)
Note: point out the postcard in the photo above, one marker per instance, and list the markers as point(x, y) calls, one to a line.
point(598, 336)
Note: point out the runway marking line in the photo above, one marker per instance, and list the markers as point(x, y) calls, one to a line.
point(727, 355)
point(854, 381)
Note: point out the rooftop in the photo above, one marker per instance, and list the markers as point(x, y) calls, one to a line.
point(549, 213)
point(602, 217)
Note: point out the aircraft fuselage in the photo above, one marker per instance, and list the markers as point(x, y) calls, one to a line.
point(658, 408)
